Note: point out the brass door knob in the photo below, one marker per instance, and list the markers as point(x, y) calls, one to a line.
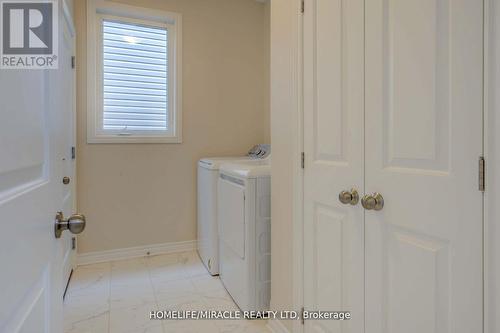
point(373, 202)
point(66, 180)
point(347, 197)
point(76, 224)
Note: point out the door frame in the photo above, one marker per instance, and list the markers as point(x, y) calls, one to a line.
point(67, 11)
point(491, 146)
point(297, 94)
point(297, 85)
point(291, 11)
point(291, 82)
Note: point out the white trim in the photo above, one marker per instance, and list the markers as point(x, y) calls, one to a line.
point(97, 8)
point(276, 326)
point(491, 261)
point(295, 94)
point(68, 17)
point(298, 172)
point(135, 252)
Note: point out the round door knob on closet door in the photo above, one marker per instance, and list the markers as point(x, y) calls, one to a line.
point(349, 197)
point(374, 201)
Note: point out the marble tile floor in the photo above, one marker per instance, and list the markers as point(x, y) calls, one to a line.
point(117, 297)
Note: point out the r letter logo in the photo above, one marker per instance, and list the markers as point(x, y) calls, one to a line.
point(29, 34)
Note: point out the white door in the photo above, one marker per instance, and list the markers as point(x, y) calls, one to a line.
point(405, 78)
point(423, 140)
point(31, 138)
point(66, 98)
point(333, 143)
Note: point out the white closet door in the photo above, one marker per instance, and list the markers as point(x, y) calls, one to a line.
point(423, 139)
point(333, 130)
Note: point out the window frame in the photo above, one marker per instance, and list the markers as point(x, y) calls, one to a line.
point(100, 10)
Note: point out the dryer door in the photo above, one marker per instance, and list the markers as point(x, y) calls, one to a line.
point(231, 211)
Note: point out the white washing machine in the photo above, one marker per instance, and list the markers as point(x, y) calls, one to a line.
point(244, 205)
point(208, 173)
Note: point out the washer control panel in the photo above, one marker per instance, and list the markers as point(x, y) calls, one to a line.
point(260, 151)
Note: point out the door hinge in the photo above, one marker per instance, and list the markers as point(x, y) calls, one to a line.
point(302, 316)
point(302, 6)
point(73, 243)
point(73, 61)
point(482, 174)
point(303, 160)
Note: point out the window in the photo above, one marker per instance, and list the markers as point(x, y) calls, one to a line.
point(133, 75)
point(135, 84)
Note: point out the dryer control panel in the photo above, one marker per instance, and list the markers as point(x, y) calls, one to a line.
point(260, 151)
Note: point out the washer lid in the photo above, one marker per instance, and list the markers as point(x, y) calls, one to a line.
point(247, 169)
point(213, 163)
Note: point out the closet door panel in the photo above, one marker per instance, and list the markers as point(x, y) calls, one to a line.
point(333, 130)
point(423, 114)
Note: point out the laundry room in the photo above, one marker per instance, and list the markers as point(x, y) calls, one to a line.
point(249, 166)
point(142, 181)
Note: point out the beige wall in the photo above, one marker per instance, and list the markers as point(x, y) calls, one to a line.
point(284, 122)
point(140, 194)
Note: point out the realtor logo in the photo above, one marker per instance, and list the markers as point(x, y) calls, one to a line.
point(28, 34)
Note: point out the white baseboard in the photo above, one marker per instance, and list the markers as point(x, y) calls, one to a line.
point(276, 326)
point(135, 252)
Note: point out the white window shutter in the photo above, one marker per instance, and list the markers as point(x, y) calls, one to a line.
point(135, 77)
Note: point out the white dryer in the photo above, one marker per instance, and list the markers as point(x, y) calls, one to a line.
point(244, 205)
point(208, 173)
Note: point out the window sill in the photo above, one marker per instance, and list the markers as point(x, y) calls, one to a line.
point(116, 139)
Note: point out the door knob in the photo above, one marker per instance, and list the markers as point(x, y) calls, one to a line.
point(75, 224)
point(373, 202)
point(347, 197)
